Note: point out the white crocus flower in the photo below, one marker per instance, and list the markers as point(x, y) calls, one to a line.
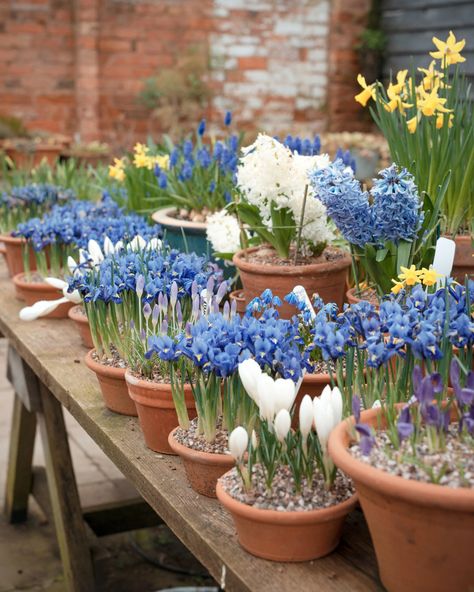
point(95, 252)
point(282, 424)
point(71, 264)
point(56, 283)
point(284, 393)
point(109, 248)
point(238, 442)
point(249, 372)
point(337, 405)
point(40, 309)
point(323, 419)
point(155, 244)
point(306, 416)
point(266, 401)
point(118, 246)
point(138, 243)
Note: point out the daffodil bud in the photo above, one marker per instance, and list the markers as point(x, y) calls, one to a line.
point(284, 393)
point(306, 416)
point(238, 442)
point(282, 424)
point(249, 371)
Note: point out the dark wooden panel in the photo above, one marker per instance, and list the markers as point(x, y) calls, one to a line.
point(443, 17)
point(425, 4)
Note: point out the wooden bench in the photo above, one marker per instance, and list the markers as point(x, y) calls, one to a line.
point(47, 371)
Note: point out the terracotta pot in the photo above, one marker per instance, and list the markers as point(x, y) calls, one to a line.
point(327, 279)
point(24, 158)
point(156, 411)
point(14, 254)
point(463, 258)
point(351, 298)
point(113, 386)
point(239, 297)
point(287, 536)
point(312, 385)
point(82, 324)
point(423, 533)
point(31, 292)
point(203, 469)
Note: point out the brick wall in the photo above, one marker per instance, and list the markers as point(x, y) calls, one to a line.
point(76, 66)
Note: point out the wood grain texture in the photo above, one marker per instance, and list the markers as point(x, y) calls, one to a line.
point(53, 350)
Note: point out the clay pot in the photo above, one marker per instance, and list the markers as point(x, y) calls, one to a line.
point(31, 292)
point(287, 536)
point(203, 469)
point(14, 254)
point(239, 297)
point(312, 385)
point(156, 411)
point(327, 279)
point(463, 258)
point(113, 386)
point(423, 533)
point(351, 297)
point(29, 158)
point(82, 324)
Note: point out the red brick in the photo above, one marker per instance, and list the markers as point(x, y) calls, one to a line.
point(252, 63)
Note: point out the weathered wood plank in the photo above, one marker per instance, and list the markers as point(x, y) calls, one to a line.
point(53, 350)
point(23, 380)
point(64, 497)
point(22, 441)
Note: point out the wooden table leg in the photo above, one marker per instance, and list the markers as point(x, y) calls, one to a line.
point(19, 473)
point(69, 524)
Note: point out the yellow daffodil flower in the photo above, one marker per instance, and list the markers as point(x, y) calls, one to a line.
point(401, 78)
point(429, 276)
point(432, 77)
point(141, 160)
point(440, 120)
point(397, 287)
point(161, 160)
point(412, 124)
point(367, 93)
point(116, 170)
point(396, 99)
point(430, 103)
point(410, 275)
point(449, 50)
point(140, 148)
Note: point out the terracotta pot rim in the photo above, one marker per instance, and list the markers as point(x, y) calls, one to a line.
point(34, 286)
point(76, 316)
point(101, 369)
point(426, 494)
point(203, 458)
point(162, 216)
point(287, 518)
point(151, 384)
point(12, 240)
point(288, 270)
point(237, 294)
point(317, 377)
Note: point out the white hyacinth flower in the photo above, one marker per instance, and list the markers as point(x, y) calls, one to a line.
point(282, 424)
point(249, 372)
point(238, 443)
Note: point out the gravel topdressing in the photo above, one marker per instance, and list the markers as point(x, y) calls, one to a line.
point(115, 361)
point(282, 496)
point(191, 439)
point(456, 461)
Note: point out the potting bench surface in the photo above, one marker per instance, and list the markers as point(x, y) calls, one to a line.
point(52, 350)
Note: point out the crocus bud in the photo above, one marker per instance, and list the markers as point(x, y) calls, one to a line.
point(109, 248)
point(337, 405)
point(266, 403)
point(249, 371)
point(179, 312)
point(173, 294)
point(226, 310)
point(221, 292)
point(95, 252)
point(284, 393)
point(140, 285)
point(238, 442)
point(210, 287)
point(254, 440)
point(282, 424)
point(306, 416)
point(147, 311)
point(155, 315)
point(323, 419)
point(233, 307)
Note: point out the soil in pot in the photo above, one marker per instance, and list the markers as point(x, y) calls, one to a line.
point(204, 463)
point(281, 525)
point(423, 533)
point(78, 315)
point(261, 268)
point(33, 288)
point(111, 376)
point(156, 410)
point(463, 258)
point(14, 254)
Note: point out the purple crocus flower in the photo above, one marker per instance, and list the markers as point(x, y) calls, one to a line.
point(404, 426)
point(356, 408)
point(367, 440)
